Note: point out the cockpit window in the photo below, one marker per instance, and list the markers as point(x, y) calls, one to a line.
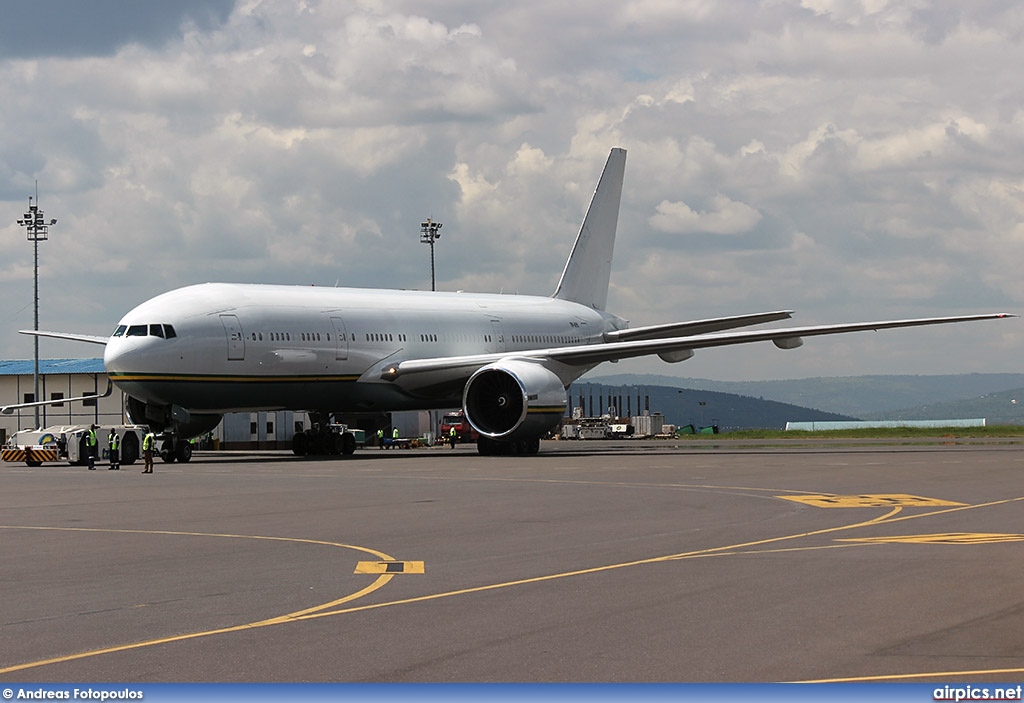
point(152, 330)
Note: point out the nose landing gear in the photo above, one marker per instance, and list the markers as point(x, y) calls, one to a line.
point(175, 449)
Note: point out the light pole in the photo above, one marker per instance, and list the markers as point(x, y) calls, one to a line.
point(428, 234)
point(37, 228)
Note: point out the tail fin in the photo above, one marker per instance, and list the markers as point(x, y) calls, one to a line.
point(588, 270)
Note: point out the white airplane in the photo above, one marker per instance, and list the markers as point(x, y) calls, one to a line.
point(186, 357)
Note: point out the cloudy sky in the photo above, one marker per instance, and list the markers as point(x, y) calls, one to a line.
point(847, 159)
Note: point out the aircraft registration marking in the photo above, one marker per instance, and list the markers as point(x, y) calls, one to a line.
point(390, 567)
point(947, 538)
point(879, 500)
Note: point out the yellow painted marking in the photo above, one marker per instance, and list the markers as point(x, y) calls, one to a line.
point(947, 538)
point(298, 615)
point(878, 500)
point(389, 567)
point(930, 675)
point(711, 551)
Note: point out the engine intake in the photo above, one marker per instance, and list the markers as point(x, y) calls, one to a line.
point(513, 400)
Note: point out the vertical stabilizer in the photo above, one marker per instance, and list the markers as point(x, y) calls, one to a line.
point(588, 270)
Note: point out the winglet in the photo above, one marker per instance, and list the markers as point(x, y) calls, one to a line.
point(588, 270)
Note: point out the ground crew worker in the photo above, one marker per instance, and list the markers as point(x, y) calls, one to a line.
point(380, 437)
point(114, 442)
point(394, 433)
point(147, 452)
point(90, 446)
point(452, 436)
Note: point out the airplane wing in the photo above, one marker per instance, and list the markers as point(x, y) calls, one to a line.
point(90, 338)
point(670, 349)
point(683, 329)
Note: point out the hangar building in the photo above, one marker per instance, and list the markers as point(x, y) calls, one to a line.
point(71, 378)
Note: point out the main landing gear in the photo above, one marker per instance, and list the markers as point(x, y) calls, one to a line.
point(486, 446)
point(323, 439)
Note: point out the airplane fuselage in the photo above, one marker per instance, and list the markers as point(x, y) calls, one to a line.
point(221, 347)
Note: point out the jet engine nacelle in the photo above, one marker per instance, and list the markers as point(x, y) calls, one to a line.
point(513, 400)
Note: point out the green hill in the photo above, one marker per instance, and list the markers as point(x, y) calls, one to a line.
point(871, 397)
point(685, 406)
point(1003, 408)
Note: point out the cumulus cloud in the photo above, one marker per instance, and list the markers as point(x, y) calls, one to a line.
point(724, 216)
point(847, 159)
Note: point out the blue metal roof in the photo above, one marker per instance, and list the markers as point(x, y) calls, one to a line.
point(50, 367)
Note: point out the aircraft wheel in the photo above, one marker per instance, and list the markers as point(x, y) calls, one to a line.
point(183, 452)
point(129, 449)
point(337, 444)
point(318, 445)
point(167, 453)
point(299, 444)
point(348, 443)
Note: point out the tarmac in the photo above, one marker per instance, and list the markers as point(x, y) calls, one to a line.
point(642, 561)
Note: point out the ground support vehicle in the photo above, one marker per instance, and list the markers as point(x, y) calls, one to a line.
point(67, 443)
point(402, 442)
point(463, 429)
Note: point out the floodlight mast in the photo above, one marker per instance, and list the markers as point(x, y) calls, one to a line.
point(38, 229)
point(428, 235)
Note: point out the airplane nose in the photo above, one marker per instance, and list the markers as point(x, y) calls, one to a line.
point(115, 356)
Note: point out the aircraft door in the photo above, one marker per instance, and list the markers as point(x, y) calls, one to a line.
point(341, 339)
point(499, 336)
point(236, 342)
